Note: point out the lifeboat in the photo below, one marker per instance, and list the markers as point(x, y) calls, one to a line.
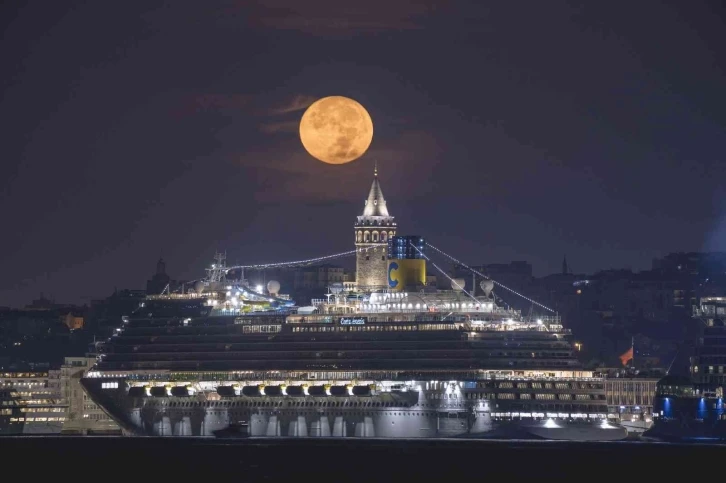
point(252, 391)
point(182, 391)
point(318, 390)
point(366, 390)
point(159, 391)
point(229, 391)
point(296, 390)
point(272, 390)
point(139, 391)
point(340, 390)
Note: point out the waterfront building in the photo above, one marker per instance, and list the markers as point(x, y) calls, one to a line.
point(83, 415)
point(30, 403)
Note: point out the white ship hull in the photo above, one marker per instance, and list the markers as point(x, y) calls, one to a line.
point(412, 414)
point(395, 423)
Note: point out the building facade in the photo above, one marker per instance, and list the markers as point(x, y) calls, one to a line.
point(84, 416)
point(372, 231)
point(631, 398)
point(35, 404)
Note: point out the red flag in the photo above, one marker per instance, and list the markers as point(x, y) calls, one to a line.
point(627, 357)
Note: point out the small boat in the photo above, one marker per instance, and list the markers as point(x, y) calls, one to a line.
point(236, 430)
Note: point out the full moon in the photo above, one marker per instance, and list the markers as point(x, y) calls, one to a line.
point(336, 130)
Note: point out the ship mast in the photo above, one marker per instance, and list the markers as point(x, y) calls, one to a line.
point(218, 271)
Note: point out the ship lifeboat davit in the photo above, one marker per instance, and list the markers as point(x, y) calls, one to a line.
point(160, 391)
point(229, 391)
point(319, 391)
point(296, 391)
point(345, 390)
point(252, 391)
point(182, 391)
point(365, 390)
point(139, 391)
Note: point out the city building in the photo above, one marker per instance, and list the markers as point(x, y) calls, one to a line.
point(72, 321)
point(709, 357)
point(159, 281)
point(317, 278)
point(372, 230)
point(34, 402)
point(84, 416)
point(406, 247)
point(631, 398)
point(690, 406)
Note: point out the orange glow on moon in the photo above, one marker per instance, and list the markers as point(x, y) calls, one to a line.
point(336, 130)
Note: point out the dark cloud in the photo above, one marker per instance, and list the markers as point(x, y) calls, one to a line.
point(331, 17)
point(245, 105)
point(297, 103)
point(208, 102)
point(280, 127)
point(286, 173)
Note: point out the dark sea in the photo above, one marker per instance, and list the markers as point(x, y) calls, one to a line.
point(344, 460)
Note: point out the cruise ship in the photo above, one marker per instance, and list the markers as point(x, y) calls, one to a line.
point(407, 365)
point(691, 407)
point(387, 356)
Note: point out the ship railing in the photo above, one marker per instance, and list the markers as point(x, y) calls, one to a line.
point(181, 296)
point(319, 377)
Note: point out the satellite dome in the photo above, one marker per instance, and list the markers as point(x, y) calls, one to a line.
point(336, 287)
point(199, 287)
point(273, 286)
point(487, 286)
point(457, 284)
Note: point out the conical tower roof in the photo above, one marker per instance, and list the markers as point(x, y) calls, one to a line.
point(376, 203)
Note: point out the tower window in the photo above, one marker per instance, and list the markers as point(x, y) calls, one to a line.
point(383, 257)
point(368, 257)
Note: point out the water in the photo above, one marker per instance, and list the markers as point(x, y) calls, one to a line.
point(344, 460)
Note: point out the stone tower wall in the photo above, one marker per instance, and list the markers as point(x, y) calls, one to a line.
point(371, 265)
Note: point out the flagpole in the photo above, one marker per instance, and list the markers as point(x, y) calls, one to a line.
point(632, 348)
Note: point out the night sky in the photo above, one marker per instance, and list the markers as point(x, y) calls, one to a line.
point(503, 131)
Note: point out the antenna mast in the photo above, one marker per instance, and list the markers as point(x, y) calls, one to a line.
point(218, 272)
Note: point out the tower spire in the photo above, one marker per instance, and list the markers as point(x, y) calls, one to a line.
point(375, 168)
point(375, 205)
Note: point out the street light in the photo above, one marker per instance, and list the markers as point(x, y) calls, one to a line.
point(578, 345)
